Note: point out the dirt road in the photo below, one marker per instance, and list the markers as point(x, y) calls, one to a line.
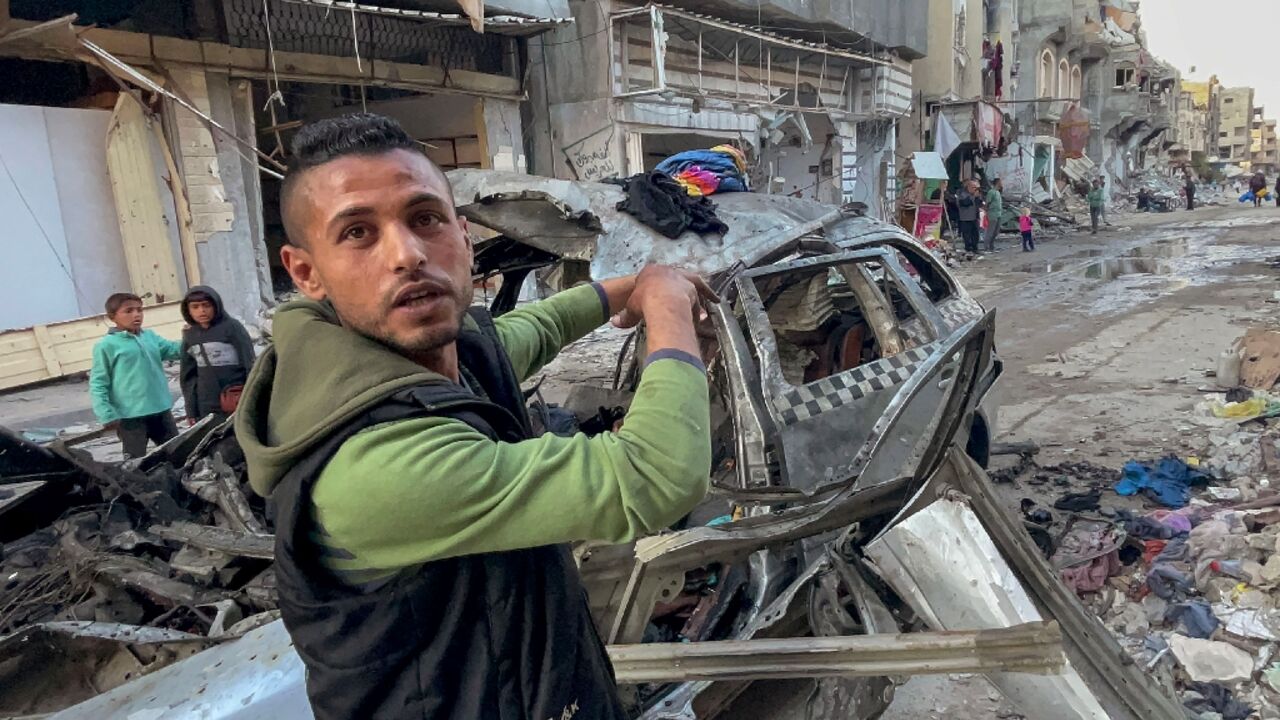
point(1106, 338)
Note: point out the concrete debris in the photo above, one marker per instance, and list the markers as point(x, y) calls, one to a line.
point(1210, 660)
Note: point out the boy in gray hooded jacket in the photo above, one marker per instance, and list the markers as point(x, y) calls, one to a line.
point(216, 354)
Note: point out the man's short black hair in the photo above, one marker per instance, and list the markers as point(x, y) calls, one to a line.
point(117, 301)
point(197, 296)
point(327, 140)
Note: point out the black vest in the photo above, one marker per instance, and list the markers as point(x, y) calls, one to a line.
point(497, 636)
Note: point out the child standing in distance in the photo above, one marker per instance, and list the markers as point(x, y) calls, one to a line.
point(1024, 224)
point(127, 382)
point(216, 355)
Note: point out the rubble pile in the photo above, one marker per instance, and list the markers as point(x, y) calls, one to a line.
point(1164, 190)
point(1180, 558)
point(114, 571)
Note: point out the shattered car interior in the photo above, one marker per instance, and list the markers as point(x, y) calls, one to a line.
point(850, 536)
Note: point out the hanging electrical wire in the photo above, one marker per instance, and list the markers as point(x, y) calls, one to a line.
point(276, 96)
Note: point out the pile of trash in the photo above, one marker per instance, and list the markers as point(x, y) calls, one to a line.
point(113, 571)
point(1180, 557)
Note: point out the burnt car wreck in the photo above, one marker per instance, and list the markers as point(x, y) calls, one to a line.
point(851, 534)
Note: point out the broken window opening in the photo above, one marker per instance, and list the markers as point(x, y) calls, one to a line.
point(1125, 77)
point(830, 320)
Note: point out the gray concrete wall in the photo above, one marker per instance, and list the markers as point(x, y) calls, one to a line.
point(233, 260)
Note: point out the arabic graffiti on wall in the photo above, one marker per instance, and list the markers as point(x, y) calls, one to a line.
point(591, 158)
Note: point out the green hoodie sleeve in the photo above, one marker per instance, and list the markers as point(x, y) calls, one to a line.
point(413, 491)
point(535, 334)
point(100, 384)
point(169, 349)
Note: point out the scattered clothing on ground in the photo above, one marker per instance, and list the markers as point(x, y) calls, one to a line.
point(1214, 698)
point(1168, 582)
point(1169, 483)
point(1196, 617)
point(1079, 501)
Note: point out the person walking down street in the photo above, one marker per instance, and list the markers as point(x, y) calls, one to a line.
point(1258, 185)
point(995, 212)
point(422, 529)
point(1277, 191)
point(1191, 191)
point(1097, 201)
point(1025, 227)
point(968, 207)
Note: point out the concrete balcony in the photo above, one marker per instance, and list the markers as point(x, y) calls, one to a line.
point(898, 25)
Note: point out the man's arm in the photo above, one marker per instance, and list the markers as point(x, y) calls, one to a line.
point(414, 491)
point(534, 334)
point(100, 386)
point(438, 488)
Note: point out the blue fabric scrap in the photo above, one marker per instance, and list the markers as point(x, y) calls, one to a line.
point(1169, 483)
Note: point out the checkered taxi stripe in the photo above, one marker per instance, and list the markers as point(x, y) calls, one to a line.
point(959, 311)
point(806, 401)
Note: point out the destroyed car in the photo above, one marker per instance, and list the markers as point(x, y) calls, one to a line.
point(848, 372)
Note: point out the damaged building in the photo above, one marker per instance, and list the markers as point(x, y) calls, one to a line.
point(145, 142)
point(810, 92)
point(1092, 55)
point(965, 75)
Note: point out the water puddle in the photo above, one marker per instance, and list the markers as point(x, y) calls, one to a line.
point(1116, 282)
point(1150, 259)
point(1145, 260)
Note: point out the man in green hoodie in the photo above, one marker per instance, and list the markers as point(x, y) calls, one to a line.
point(421, 528)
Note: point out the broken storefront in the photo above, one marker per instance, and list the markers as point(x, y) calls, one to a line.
point(147, 163)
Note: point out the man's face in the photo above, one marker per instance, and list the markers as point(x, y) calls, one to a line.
point(129, 316)
point(201, 311)
point(378, 236)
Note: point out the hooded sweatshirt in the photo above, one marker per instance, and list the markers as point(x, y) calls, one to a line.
point(213, 358)
point(403, 493)
point(127, 378)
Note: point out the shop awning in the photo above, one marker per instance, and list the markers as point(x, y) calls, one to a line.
point(498, 24)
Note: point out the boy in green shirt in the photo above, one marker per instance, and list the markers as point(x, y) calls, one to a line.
point(127, 382)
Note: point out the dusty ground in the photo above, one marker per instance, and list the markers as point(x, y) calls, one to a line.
point(1106, 341)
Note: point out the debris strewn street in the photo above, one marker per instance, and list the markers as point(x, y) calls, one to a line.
point(890, 359)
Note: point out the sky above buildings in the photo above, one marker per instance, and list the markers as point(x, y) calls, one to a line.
point(1233, 39)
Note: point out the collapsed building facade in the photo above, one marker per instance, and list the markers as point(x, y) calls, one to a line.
point(1094, 55)
point(811, 92)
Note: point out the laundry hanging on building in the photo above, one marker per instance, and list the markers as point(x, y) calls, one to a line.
point(723, 168)
point(662, 203)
